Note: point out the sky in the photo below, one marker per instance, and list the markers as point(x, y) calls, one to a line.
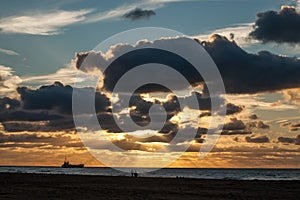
point(254, 44)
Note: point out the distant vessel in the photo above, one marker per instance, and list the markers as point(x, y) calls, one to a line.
point(69, 165)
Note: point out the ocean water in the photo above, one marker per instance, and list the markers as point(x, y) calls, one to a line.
point(235, 174)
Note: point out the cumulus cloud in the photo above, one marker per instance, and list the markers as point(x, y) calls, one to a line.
point(140, 107)
point(139, 13)
point(124, 62)
point(14, 118)
point(292, 95)
point(257, 139)
point(281, 27)
point(48, 108)
point(237, 67)
point(8, 104)
point(8, 81)
point(236, 32)
point(57, 97)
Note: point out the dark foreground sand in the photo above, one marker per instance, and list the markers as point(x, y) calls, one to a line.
point(39, 186)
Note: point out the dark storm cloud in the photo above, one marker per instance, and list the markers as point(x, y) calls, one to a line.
point(53, 97)
point(236, 132)
point(137, 57)
point(172, 104)
point(140, 112)
point(257, 139)
point(204, 102)
point(57, 97)
point(8, 104)
point(128, 145)
point(297, 140)
point(288, 140)
point(233, 127)
point(22, 138)
point(91, 61)
point(280, 27)
point(258, 124)
point(107, 122)
point(26, 140)
point(165, 138)
point(253, 116)
point(234, 124)
point(238, 127)
point(28, 116)
point(294, 126)
point(294, 129)
point(242, 72)
point(48, 108)
point(232, 109)
point(21, 145)
point(15, 119)
point(40, 126)
point(139, 13)
point(262, 125)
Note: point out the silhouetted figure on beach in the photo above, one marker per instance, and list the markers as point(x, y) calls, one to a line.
point(134, 173)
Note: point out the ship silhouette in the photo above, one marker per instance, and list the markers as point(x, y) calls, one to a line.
point(67, 164)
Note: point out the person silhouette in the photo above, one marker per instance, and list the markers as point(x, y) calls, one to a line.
point(132, 172)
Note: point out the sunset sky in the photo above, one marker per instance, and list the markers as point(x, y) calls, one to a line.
point(255, 45)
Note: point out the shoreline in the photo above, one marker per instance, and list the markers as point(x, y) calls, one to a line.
point(195, 173)
point(221, 168)
point(65, 186)
point(140, 176)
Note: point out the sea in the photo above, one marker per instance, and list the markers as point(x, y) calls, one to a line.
point(232, 174)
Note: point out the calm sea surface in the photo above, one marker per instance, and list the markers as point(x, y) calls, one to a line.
point(238, 174)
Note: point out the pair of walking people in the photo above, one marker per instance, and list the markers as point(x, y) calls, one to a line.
point(134, 173)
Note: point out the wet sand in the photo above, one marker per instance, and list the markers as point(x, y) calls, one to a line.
point(41, 186)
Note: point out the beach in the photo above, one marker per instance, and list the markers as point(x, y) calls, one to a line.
point(51, 186)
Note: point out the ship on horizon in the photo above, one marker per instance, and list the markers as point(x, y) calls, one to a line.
point(67, 164)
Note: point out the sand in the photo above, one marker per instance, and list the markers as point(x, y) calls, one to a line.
point(41, 186)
